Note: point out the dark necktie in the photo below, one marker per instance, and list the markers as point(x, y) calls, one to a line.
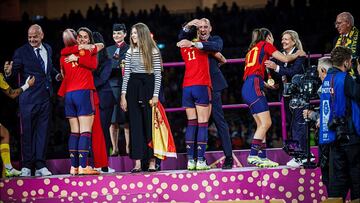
point(343, 40)
point(42, 63)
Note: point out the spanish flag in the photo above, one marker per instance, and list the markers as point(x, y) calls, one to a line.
point(162, 138)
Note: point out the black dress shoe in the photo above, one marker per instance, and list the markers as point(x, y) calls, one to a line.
point(228, 163)
point(136, 170)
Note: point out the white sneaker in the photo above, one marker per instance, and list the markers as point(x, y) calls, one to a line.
point(110, 170)
point(191, 164)
point(43, 172)
point(295, 163)
point(25, 172)
point(201, 165)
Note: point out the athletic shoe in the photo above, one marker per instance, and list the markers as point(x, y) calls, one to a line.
point(12, 172)
point(254, 160)
point(88, 170)
point(267, 163)
point(297, 162)
point(74, 170)
point(201, 165)
point(25, 172)
point(109, 170)
point(191, 164)
point(43, 172)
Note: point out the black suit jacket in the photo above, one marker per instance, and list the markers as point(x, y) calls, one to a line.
point(26, 63)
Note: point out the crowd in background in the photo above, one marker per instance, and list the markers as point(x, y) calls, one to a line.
point(313, 21)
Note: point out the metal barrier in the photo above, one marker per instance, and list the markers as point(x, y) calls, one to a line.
point(281, 103)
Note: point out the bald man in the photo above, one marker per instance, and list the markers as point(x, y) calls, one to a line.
point(34, 58)
point(348, 33)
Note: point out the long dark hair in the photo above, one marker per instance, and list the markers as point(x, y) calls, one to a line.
point(258, 34)
point(88, 31)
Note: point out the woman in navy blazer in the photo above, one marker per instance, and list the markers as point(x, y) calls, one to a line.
point(291, 43)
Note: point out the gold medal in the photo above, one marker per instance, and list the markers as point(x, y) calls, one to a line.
point(271, 82)
point(82, 52)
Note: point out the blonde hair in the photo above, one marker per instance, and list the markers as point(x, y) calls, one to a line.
point(294, 37)
point(145, 43)
point(69, 37)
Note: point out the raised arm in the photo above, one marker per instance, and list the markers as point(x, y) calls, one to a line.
point(287, 58)
point(296, 68)
point(214, 44)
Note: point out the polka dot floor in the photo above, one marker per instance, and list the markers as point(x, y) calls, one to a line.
point(244, 183)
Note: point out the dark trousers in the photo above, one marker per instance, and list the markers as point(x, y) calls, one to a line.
point(217, 114)
point(140, 91)
point(344, 171)
point(324, 153)
point(298, 127)
point(35, 128)
point(106, 115)
point(296, 124)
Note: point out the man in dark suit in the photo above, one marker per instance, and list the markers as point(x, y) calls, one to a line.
point(212, 44)
point(104, 91)
point(117, 54)
point(34, 58)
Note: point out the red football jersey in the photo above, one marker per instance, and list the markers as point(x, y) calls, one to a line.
point(197, 70)
point(77, 75)
point(261, 51)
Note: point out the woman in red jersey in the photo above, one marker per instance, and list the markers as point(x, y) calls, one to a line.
point(78, 87)
point(196, 99)
point(260, 50)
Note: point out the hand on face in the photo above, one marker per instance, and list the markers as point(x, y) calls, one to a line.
point(195, 22)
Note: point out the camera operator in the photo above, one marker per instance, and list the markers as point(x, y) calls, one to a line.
point(323, 66)
point(339, 100)
point(291, 43)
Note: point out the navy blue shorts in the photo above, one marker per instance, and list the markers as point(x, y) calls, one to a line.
point(252, 94)
point(196, 95)
point(79, 103)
